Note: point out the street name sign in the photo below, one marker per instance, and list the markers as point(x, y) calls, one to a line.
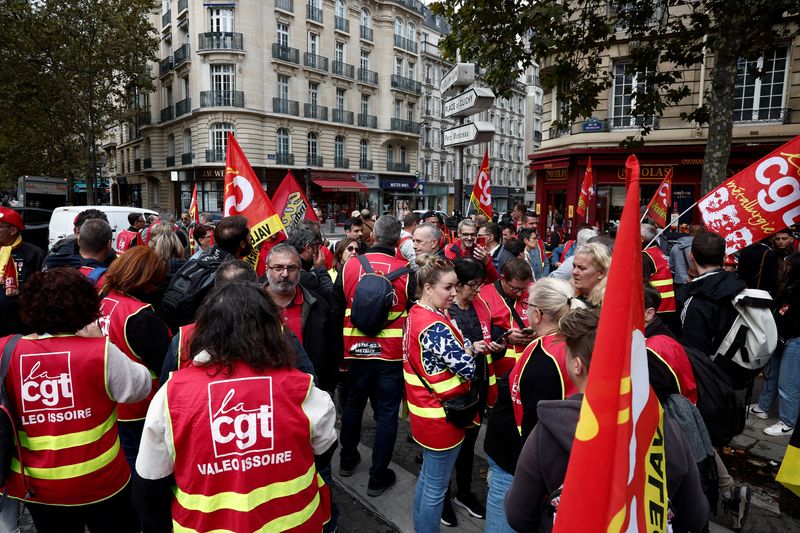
point(461, 75)
point(470, 133)
point(471, 101)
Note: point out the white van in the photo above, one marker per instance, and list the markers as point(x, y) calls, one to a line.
point(61, 222)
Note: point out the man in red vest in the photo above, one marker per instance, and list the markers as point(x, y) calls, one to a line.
point(656, 270)
point(465, 246)
point(128, 238)
point(94, 246)
point(18, 260)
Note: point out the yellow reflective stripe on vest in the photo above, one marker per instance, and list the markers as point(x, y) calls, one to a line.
point(511, 353)
point(244, 503)
point(670, 294)
point(69, 471)
point(70, 440)
point(282, 523)
point(426, 412)
point(388, 333)
point(393, 315)
point(660, 282)
point(439, 387)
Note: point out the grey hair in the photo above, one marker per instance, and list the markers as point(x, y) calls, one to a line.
point(585, 234)
point(283, 249)
point(466, 222)
point(167, 216)
point(649, 232)
point(301, 235)
point(434, 230)
point(387, 231)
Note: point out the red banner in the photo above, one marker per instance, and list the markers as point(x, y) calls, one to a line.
point(758, 201)
point(587, 191)
point(245, 196)
point(481, 197)
point(291, 202)
point(662, 199)
point(616, 480)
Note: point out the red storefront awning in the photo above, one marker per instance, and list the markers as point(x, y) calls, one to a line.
point(340, 185)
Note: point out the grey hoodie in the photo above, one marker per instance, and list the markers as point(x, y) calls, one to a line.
point(542, 467)
point(679, 259)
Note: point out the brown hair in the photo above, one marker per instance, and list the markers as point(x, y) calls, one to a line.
point(134, 271)
point(341, 246)
point(518, 269)
point(60, 300)
point(578, 328)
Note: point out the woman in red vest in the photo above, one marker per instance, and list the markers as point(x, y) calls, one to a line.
point(438, 366)
point(130, 323)
point(240, 433)
point(63, 388)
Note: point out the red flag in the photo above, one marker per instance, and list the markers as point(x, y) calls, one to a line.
point(659, 205)
point(194, 215)
point(587, 191)
point(245, 196)
point(291, 202)
point(616, 480)
point(758, 201)
point(481, 196)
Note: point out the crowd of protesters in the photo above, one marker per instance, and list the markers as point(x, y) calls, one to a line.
point(135, 411)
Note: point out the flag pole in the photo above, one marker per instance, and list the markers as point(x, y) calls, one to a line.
point(667, 225)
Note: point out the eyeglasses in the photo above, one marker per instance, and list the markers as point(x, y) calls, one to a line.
point(352, 248)
point(474, 285)
point(516, 290)
point(291, 269)
point(468, 235)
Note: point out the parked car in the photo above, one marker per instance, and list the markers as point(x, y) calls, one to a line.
point(61, 222)
point(37, 222)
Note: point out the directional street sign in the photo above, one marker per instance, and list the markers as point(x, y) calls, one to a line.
point(471, 101)
point(461, 75)
point(470, 133)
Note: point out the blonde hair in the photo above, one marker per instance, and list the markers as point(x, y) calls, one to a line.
point(554, 298)
point(430, 269)
point(165, 242)
point(600, 254)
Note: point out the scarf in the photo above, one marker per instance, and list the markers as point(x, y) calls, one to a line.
point(8, 267)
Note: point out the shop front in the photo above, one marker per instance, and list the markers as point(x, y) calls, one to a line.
point(375, 194)
point(399, 194)
point(434, 196)
point(337, 194)
point(559, 176)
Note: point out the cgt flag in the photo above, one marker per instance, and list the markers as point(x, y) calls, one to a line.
point(587, 191)
point(616, 477)
point(290, 201)
point(245, 196)
point(659, 205)
point(481, 197)
point(758, 201)
point(194, 215)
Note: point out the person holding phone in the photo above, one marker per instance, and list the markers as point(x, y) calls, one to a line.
point(470, 244)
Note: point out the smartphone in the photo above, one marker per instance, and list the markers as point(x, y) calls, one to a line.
point(502, 336)
point(527, 331)
point(480, 240)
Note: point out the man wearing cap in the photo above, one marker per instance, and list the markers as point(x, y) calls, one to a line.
point(18, 260)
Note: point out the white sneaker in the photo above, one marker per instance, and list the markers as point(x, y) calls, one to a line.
point(755, 410)
point(779, 430)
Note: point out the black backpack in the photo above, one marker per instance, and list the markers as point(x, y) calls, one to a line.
point(8, 417)
point(722, 409)
point(373, 299)
point(189, 286)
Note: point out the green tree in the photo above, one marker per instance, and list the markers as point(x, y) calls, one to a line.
point(68, 67)
point(570, 38)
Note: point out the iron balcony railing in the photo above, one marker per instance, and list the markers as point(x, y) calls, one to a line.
point(318, 112)
point(183, 5)
point(166, 18)
point(367, 33)
point(186, 159)
point(405, 44)
point(343, 69)
point(284, 159)
point(285, 107)
point(367, 76)
point(285, 5)
point(342, 117)
point(220, 40)
point(170, 161)
point(313, 160)
point(398, 167)
point(168, 113)
point(137, 164)
point(165, 66)
point(406, 84)
point(183, 107)
point(398, 124)
point(148, 163)
point(341, 162)
point(313, 13)
point(221, 99)
point(430, 49)
point(285, 53)
point(367, 121)
point(365, 164)
point(181, 55)
point(315, 61)
point(341, 24)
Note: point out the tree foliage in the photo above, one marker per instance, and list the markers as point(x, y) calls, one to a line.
point(571, 37)
point(68, 66)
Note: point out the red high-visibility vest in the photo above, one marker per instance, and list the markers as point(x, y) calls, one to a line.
point(485, 319)
point(674, 356)
point(567, 246)
point(502, 317)
point(661, 279)
point(126, 238)
point(185, 334)
point(244, 460)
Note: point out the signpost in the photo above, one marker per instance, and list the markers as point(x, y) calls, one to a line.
point(461, 75)
point(468, 134)
point(472, 101)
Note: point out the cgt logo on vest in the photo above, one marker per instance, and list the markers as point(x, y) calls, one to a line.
point(46, 382)
point(242, 416)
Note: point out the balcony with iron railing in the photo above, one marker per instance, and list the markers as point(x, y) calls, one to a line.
point(341, 24)
point(398, 124)
point(166, 19)
point(220, 40)
point(285, 5)
point(537, 137)
point(165, 66)
point(391, 166)
point(365, 164)
point(284, 159)
point(183, 106)
point(137, 164)
point(318, 112)
point(170, 162)
point(341, 162)
point(413, 5)
point(367, 121)
point(313, 13)
point(342, 117)
point(285, 53)
point(168, 113)
point(430, 49)
point(181, 55)
point(285, 106)
point(406, 84)
point(314, 160)
point(366, 33)
point(183, 5)
point(343, 69)
point(405, 44)
point(147, 163)
point(215, 155)
point(221, 98)
point(141, 117)
point(367, 76)
point(315, 61)
point(186, 159)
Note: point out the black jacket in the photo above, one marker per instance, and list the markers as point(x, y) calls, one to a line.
point(708, 312)
point(29, 259)
point(758, 267)
point(322, 338)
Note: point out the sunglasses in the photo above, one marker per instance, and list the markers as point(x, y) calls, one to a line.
point(352, 248)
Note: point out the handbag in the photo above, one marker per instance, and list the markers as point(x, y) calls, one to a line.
point(459, 411)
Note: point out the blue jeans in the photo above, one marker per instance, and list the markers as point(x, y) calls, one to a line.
point(130, 435)
point(783, 381)
point(432, 483)
point(499, 483)
point(326, 475)
point(380, 382)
